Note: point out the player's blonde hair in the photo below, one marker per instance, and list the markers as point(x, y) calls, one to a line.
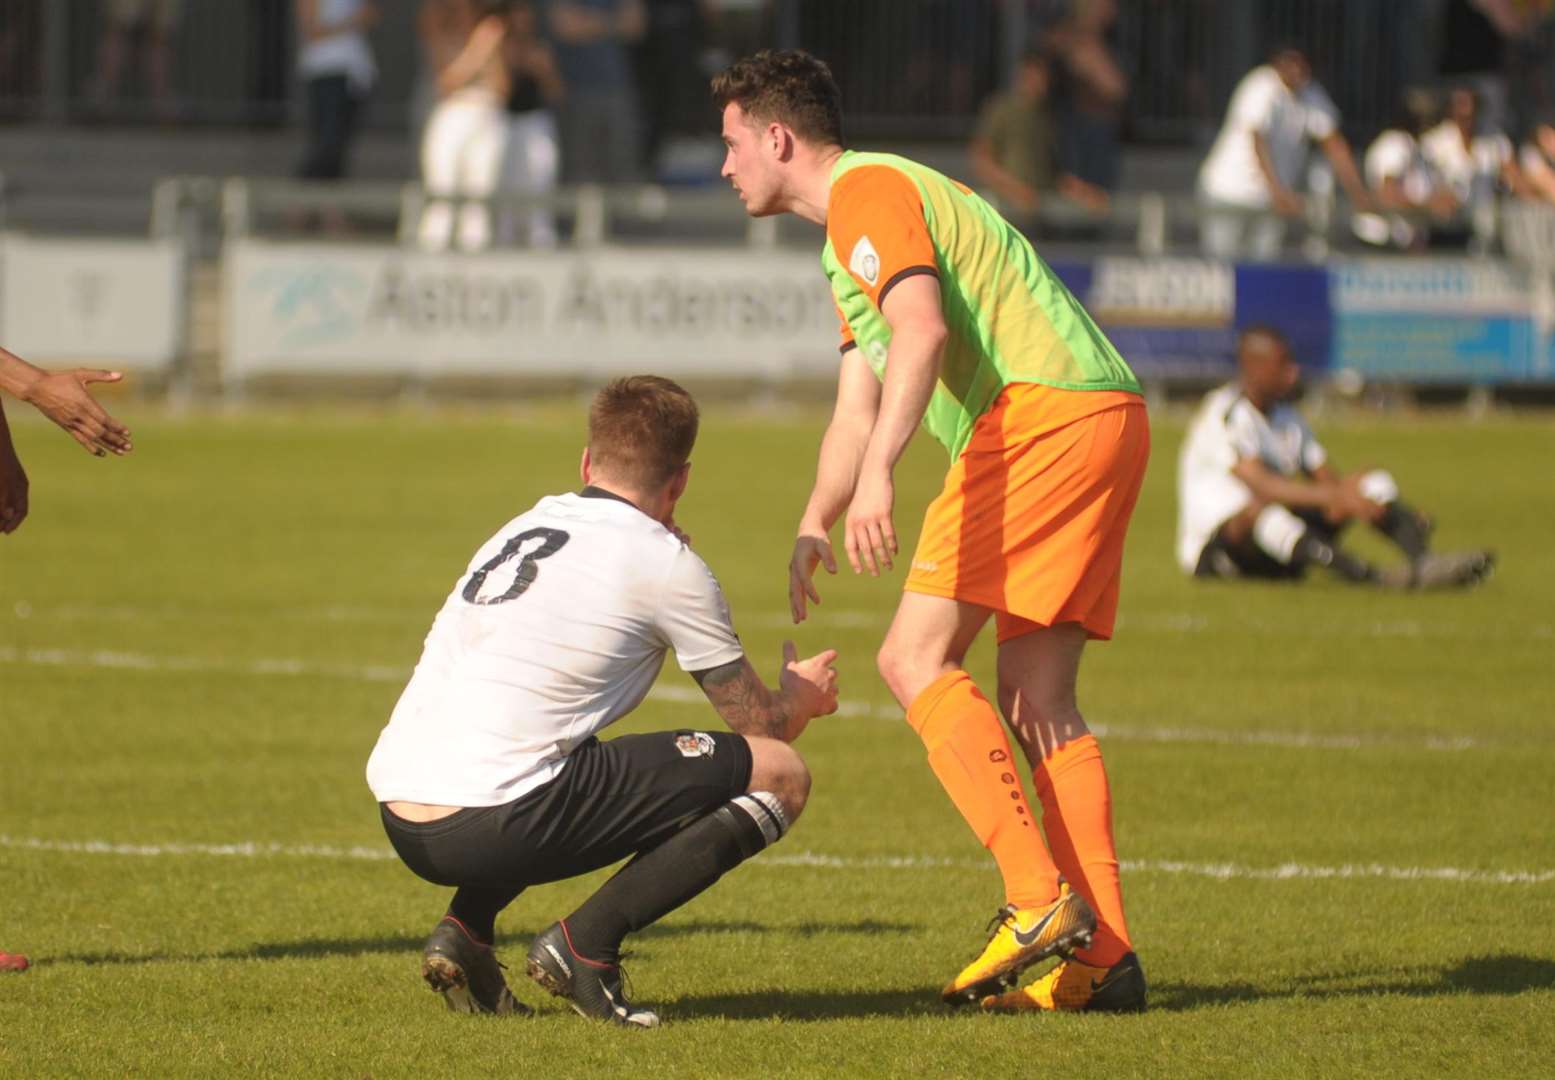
point(642, 429)
point(786, 85)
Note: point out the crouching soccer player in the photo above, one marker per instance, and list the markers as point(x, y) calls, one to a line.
point(1258, 498)
point(490, 774)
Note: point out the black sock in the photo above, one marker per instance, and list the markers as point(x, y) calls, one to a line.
point(1313, 549)
point(477, 910)
point(1406, 527)
point(657, 882)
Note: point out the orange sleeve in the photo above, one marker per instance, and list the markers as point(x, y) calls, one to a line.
point(876, 226)
point(847, 331)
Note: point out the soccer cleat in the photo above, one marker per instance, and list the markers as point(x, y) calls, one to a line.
point(1074, 986)
point(10, 961)
point(1441, 570)
point(466, 972)
point(1022, 937)
point(594, 990)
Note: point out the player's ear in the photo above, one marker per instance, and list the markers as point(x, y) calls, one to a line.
point(586, 467)
point(678, 482)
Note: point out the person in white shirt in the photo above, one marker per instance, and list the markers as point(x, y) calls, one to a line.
point(1258, 498)
point(1407, 189)
point(336, 64)
point(1537, 160)
point(1475, 163)
point(1248, 184)
point(490, 774)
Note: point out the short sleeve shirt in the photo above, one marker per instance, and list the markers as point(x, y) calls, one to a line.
point(877, 228)
point(1289, 121)
point(558, 628)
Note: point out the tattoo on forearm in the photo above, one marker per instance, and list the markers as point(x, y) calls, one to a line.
point(743, 701)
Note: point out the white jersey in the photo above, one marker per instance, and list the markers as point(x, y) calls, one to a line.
point(1228, 429)
point(556, 630)
point(1472, 171)
point(1289, 121)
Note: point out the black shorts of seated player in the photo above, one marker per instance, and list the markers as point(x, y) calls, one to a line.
point(612, 799)
point(1224, 558)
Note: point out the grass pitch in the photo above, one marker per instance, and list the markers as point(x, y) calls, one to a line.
point(1335, 806)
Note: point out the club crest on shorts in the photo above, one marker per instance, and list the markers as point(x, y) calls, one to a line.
point(865, 261)
point(695, 744)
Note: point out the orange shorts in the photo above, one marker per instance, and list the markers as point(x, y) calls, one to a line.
point(1032, 518)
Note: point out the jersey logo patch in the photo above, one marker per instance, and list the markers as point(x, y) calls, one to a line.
point(695, 744)
point(865, 261)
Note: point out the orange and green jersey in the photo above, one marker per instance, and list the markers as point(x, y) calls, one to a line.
point(1011, 320)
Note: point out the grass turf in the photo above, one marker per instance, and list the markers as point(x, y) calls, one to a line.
point(198, 645)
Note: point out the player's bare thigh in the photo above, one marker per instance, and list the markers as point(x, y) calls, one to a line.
point(929, 636)
point(1037, 676)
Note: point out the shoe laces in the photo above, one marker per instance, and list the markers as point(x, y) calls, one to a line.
point(1005, 915)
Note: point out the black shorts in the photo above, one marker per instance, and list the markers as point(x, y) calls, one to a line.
point(610, 800)
point(1223, 559)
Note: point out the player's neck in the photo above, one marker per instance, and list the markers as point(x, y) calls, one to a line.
point(812, 187)
point(604, 489)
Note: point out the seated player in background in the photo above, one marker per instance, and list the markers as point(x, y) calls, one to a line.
point(1258, 498)
point(490, 774)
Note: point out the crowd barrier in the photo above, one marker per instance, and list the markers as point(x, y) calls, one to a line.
point(707, 292)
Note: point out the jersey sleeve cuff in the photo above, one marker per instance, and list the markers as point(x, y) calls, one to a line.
point(902, 275)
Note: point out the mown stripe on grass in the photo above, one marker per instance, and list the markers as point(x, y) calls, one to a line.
point(815, 860)
point(391, 673)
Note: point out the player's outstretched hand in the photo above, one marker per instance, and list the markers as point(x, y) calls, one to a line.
point(13, 487)
point(810, 551)
point(63, 397)
point(871, 536)
point(811, 685)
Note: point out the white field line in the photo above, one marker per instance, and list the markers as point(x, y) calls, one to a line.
point(813, 860)
point(687, 695)
point(824, 619)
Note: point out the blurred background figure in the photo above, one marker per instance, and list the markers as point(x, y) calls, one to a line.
point(1260, 159)
point(1015, 148)
point(672, 72)
point(1537, 160)
point(1404, 185)
point(337, 68)
point(600, 124)
point(1089, 90)
point(492, 129)
point(142, 29)
point(442, 28)
point(1475, 160)
point(1476, 39)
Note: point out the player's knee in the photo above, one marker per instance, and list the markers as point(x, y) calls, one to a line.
point(777, 767)
point(905, 672)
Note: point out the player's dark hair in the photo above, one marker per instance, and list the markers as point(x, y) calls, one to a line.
point(786, 85)
point(642, 429)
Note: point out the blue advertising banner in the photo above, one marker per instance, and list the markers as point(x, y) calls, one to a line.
point(1443, 320)
point(1179, 318)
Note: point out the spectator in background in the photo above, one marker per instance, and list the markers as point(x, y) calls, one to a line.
point(1089, 89)
point(1476, 39)
point(1537, 160)
point(1014, 151)
point(336, 64)
point(491, 129)
point(672, 72)
point(442, 28)
point(599, 121)
point(1475, 162)
point(151, 24)
point(1404, 185)
point(1249, 182)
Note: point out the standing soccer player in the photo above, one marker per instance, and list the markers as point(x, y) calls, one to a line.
point(951, 320)
point(62, 396)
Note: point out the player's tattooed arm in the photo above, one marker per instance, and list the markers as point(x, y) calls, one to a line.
point(806, 689)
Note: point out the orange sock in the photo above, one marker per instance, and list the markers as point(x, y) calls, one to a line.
point(970, 753)
point(1077, 817)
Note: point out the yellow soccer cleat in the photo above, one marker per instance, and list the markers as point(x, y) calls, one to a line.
point(1073, 986)
point(1022, 937)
